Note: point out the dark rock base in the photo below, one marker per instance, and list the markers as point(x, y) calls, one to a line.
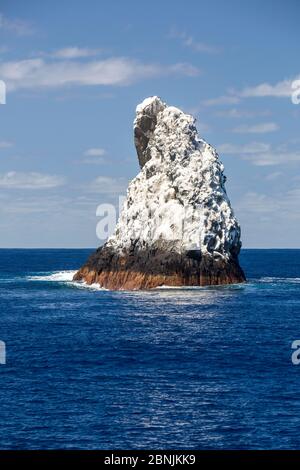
point(153, 268)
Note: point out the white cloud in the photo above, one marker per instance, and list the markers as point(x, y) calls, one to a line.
point(222, 100)
point(189, 41)
point(257, 203)
point(261, 128)
point(274, 157)
point(241, 113)
point(108, 185)
point(29, 205)
point(286, 204)
point(4, 144)
point(37, 73)
point(200, 46)
point(252, 147)
point(16, 26)
point(94, 156)
point(18, 180)
point(273, 176)
point(95, 152)
point(75, 52)
point(47, 204)
point(261, 154)
point(182, 68)
point(294, 193)
point(279, 89)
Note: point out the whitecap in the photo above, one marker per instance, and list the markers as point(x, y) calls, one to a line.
point(57, 276)
point(280, 280)
point(201, 288)
point(65, 277)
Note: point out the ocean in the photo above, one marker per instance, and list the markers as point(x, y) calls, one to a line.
point(198, 368)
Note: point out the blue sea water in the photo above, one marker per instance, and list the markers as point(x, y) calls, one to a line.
point(206, 368)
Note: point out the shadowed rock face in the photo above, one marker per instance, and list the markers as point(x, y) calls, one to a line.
point(177, 227)
point(144, 126)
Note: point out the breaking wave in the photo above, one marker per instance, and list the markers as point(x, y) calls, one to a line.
point(64, 277)
point(58, 276)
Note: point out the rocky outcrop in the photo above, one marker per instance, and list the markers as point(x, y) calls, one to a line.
point(176, 227)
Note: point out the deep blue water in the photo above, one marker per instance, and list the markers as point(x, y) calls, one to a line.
point(206, 368)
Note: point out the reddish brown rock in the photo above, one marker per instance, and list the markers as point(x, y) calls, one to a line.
point(150, 269)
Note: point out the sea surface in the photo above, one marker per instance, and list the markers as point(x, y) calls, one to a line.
point(199, 368)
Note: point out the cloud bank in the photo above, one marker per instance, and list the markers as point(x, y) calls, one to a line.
point(119, 71)
point(32, 180)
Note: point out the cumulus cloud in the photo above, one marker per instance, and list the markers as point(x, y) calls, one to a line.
point(37, 73)
point(261, 128)
point(279, 89)
point(32, 180)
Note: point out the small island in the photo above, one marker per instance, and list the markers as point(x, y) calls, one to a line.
point(177, 227)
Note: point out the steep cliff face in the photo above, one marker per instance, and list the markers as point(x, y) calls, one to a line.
point(177, 227)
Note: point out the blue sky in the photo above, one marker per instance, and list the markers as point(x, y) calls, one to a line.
point(75, 72)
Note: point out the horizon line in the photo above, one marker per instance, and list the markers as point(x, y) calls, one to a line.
point(95, 248)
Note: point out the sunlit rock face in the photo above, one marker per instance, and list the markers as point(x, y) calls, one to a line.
point(177, 226)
